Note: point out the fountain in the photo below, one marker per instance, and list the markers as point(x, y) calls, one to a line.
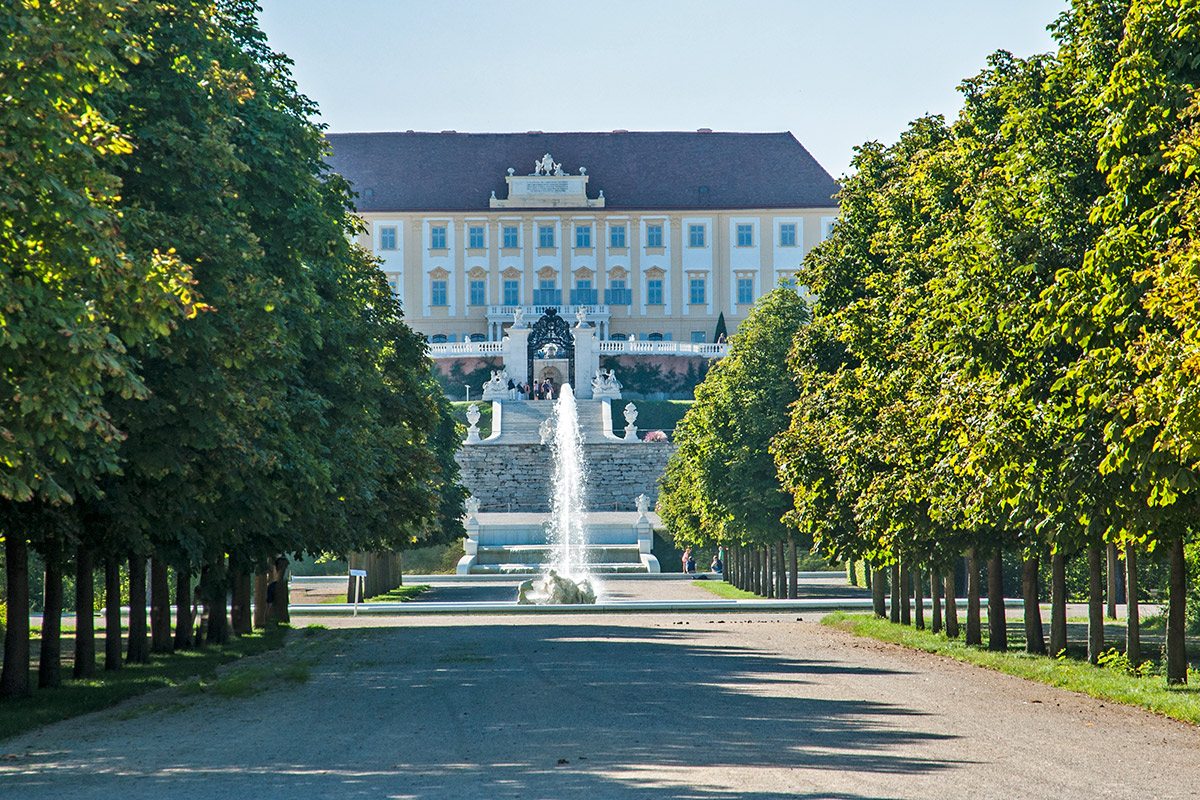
point(566, 579)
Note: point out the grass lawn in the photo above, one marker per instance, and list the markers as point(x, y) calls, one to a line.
point(727, 590)
point(1105, 683)
point(400, 594)
point(195, 670)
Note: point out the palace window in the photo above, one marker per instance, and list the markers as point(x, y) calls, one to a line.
point(654, 236)
point(512, 292)
point(745, 235)
point(696, 291)
point(393, 281)
point(387, 237)
point(698, 337)
point(438, 338)
point(654, 291)
point(437, 293)
point(695, 236)
point(475, 237)
point(617, 294)
point(655, 337)
point(616, 236)
point(545, 236)
point(583, 236)
point(787, 234)
point(437, 237)
point(478, 293)
point(510, 237)
point(547, 283)
point(826, 227)
point(745, 291)
point(584, 294)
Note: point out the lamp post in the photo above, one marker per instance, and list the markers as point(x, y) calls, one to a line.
point(468, 388)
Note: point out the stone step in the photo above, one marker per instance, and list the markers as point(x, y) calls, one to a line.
point(521, 569)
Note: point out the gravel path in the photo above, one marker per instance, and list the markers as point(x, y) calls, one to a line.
point(615, 707)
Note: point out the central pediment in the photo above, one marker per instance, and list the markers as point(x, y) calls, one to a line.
point(548, 186)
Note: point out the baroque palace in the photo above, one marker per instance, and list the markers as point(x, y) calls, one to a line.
point(651, 235)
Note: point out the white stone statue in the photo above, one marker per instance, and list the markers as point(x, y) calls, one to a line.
point(605, 386)
point(537, 167)
point(518, 317)
point(547, 166)
point(631, 413)
point(493, 194)
point(581, 318)
point(472, 425)
point(497, 387)
point(472, 506)
point(558, 171)
point(546, 431)
point(643, 505)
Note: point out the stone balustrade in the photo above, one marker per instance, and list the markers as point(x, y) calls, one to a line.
point(609, 347)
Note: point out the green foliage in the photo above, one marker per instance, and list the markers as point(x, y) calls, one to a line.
point(721, 484)
point(199, 362)
point(657, 379)
point(455, 374)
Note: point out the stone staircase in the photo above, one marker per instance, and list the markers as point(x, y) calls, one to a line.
point(517, 543)
point(521, 421)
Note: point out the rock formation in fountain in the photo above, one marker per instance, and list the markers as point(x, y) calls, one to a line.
point(566, 579)
point(553, 589)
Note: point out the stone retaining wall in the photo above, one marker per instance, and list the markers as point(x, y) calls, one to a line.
point(517, 477)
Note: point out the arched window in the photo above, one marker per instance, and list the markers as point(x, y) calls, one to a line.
point(478, 337)
point(618, 337)
point(655, 337)
point(438, 338)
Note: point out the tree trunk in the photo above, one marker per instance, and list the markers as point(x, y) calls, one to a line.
point(974, 628)
point(240, 607)
point(781, 576)
point(935, 596)
point(183, 609)
point(1058, 603)
point(1133, 636)
point(1095, 604)
point(160, 606)
point(1112, 566)
point(14, 679)
point(878, 593)
point(894, 612)
point(918, 578)
point(137, 649)
point(1176, 619)
point(260, 600)
point(851, 573)
point(1035, 639)
point(215, 601)
point(951, 605)
point(905, 593)
point(112, 614)
point(997, 622)
point(85, 622)
point(279, 608)
point(766, 579)
point(50, 657)
point(793, 575)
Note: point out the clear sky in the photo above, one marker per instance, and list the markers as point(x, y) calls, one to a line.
point(835, 73)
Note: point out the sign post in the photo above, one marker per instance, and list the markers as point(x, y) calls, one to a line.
point(360, 576)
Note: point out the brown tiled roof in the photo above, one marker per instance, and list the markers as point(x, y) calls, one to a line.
point(636, 170)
